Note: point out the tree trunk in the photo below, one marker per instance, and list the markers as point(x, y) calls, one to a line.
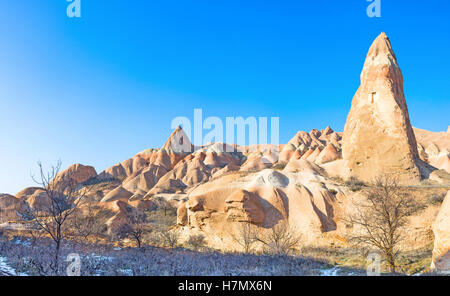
point(391, 261)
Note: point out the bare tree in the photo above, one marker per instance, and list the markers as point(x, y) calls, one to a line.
point(245, 236)
point(163, 204)
point(134, 228)
point(382, 217)
point(62, 196)
point(281, 239)
point(84, 222)
point(169, 238)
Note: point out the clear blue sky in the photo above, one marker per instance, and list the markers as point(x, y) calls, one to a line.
point(99, 89)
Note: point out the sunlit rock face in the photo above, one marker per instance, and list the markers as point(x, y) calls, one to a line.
point(441, 230)
point(378, 137)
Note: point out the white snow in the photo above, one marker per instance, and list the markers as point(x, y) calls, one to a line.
point(5, 269)
point(330, 272)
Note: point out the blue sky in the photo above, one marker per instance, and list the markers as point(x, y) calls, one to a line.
point(99, 89)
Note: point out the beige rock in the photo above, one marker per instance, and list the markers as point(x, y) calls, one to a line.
point(146, 179)
point(27, 192)
point(119, 193)
point(115, 172)
point(39, 201)
point(328, 154)
point(123, 213)
point(78, 172)
point(307, 154)
point(256, 162)
point(378, 136)
point(441, 229)
point(134, 166)
point(10, 206)
point(244, 206)
point(264, 199)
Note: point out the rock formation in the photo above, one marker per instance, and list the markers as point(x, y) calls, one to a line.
point(378, 137)
point(78, 172)
point(10, 206)
point(216, 191)
point(441, 229)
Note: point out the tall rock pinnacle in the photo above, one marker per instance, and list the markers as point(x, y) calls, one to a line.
point(378, 137)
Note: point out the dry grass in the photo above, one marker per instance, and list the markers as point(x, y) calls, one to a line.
point(411, 262)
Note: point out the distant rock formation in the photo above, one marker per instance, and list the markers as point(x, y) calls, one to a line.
point(378, 137)
point(80, 173)
point(434, 148)
point(310, 145)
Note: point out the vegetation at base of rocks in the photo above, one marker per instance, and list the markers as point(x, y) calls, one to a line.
point(279, 240)
point(436, 199)
point(62, 198)
point(333, 191)
point(27, 258)
point(161, 219)
point(382, 217)
point(169, 239)
point(196, 242)
point(279, 166)
point(354, 184)
point(409, 262)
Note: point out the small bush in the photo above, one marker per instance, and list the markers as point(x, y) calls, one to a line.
point(354, 184)
point(169, 239)
point(436, 199)
point(196, 242)
point(279, 166)
point(333, 191)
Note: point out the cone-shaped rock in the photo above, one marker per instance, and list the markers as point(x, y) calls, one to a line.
point(378, 136)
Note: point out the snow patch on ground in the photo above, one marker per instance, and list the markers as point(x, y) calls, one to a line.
point(330, 272)
point(5, 269)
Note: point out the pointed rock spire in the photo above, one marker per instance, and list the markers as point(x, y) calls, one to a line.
point(378, 137)
point(178, 142)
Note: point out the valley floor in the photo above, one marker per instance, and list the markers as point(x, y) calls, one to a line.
point(24, 256)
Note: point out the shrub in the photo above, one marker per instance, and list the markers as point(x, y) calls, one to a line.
point(281, 239)
point(169, 239)
point(436, 199)
point(333, 191)
point(354, 184)
point(280, 166)
point(196, 242)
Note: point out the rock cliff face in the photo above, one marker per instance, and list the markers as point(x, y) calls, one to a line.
point(441, 229)
point(378, 136)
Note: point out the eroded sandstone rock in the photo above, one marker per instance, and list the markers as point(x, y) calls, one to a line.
point(441, 229)
point(378, 136)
